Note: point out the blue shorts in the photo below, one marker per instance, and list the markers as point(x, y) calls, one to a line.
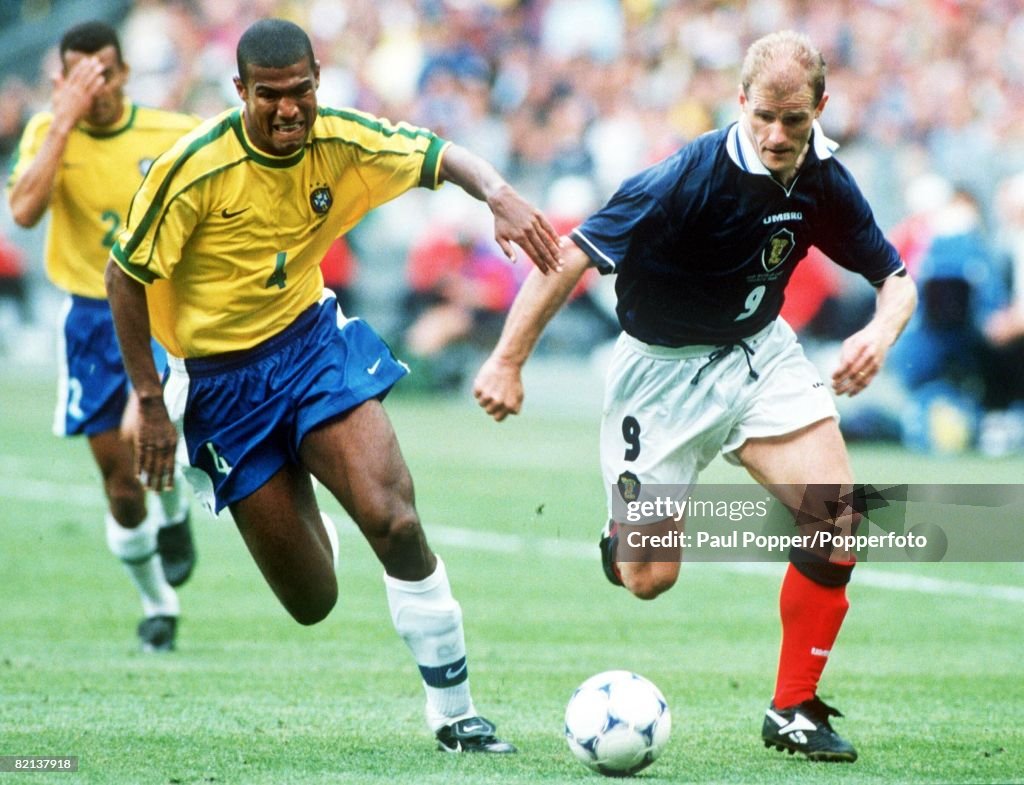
point(244, 414)
point(92, 387)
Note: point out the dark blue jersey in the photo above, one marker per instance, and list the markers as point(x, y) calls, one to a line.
point(705, 242)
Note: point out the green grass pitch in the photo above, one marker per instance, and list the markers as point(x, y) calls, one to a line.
point(931, 676)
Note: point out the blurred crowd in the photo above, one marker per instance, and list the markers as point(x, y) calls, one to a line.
point(567, 97)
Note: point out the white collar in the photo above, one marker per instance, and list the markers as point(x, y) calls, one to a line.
point(742, 152)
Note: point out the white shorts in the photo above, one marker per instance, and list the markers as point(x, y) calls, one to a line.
point(669, 411)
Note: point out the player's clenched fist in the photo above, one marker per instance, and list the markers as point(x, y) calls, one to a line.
point(498, 388)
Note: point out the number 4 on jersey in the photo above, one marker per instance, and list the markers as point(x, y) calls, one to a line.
point(279, 277)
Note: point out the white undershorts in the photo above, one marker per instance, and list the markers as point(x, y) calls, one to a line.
point(659, 428)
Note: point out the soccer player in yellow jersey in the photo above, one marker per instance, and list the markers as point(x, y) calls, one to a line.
point(270, 383)
point(83, 160)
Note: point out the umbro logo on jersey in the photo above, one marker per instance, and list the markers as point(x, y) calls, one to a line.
point(779, 217)
point(225, 214)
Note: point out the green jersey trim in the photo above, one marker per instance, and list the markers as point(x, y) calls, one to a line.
point(376, 126)
point(262, 158)
point(432, 155)
point(98, 133)
point(430, 174)
point(157, 205)
point(136, 271)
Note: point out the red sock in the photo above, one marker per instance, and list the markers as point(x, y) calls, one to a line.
point(811, 617)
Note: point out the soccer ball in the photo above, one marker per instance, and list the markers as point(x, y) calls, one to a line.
point(617, 723)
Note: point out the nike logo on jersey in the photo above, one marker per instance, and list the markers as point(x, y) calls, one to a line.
point(225, 214)
point(372, 370)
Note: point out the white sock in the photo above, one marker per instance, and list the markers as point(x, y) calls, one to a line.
point(173, 504)
point(430, 622)
point(136, 548)
point(332, 535)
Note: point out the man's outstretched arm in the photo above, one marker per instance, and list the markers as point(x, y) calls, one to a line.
point(498, 386)
point(515, 219)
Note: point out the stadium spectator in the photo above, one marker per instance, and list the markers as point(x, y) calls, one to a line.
point(904, 105)
point(13, 288)
point(269, 383)
point(339, 267)
point(925, 197)
point(459, 289)
point(961, 289)
point(703, 245)
point(14, 112)
point(82, 161)
point(1002, 428)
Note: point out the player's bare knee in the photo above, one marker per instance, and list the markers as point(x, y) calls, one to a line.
point(403, 550)
point(403, 531)
point(314, 608)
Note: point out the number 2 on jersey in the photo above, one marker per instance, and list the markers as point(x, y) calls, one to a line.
point(112, 218)
point(750, 305)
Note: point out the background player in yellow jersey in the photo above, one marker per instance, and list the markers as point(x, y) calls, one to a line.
point(83, 160)
point(270, 382)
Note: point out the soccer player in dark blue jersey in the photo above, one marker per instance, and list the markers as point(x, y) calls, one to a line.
point(703, 245)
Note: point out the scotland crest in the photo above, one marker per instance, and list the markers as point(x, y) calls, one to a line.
point(780, 246)
point(321, 200)
point(629, 487)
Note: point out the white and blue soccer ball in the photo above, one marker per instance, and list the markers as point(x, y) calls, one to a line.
point(617, 723)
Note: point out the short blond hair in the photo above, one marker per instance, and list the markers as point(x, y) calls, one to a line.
point(786, 47)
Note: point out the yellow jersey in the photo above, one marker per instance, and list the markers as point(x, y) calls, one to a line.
point(232, 238)
point(99, 173)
